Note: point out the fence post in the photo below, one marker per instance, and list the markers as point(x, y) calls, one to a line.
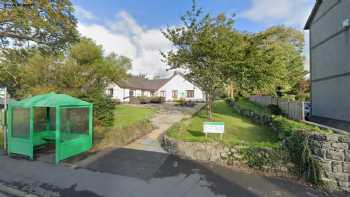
point(302, 110)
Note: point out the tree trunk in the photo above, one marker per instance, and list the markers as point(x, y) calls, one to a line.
point(210, 106)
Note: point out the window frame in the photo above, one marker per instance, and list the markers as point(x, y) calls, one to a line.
point(188, 95)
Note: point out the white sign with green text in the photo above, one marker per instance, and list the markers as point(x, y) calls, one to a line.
point(214, 127)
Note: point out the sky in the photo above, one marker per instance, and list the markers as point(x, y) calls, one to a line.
point(132, 28)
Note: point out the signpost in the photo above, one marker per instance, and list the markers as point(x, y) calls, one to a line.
point(214, 127)
point(3, 95)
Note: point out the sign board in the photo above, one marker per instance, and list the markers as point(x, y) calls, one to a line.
point(214, 127)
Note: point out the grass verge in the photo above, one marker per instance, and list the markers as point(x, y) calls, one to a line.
point(285, 125)
point(237, 129)
point(130, 123)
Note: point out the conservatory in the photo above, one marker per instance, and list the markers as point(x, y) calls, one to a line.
point(52, 119)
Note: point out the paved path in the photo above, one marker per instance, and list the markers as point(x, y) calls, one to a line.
point(168, 115)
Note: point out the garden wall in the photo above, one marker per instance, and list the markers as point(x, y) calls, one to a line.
point(332, 151)
point(266, 159)
point(334, 155)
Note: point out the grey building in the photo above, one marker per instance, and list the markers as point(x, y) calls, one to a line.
point(329, 25)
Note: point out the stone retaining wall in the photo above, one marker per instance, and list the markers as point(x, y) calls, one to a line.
point(223, 154)
point(334, 155)
point(332, 151)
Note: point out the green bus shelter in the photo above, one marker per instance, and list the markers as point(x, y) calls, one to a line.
point(57, 119)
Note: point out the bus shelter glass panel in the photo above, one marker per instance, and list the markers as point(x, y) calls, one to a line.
point(74, 123)
point(21, 123)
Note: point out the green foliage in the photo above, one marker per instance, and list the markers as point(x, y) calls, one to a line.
point(82, 72)
point(205, 47)
point(260, 157)
point(143, 99)
point(300, 154)
point(44, 24)
point(229, 100)
point(103, 108)
point(130, 123)
point(238, 130)
point(244, 103)
point(273, 58)
point(274, 109)
point(157, 99)
point(180, 102)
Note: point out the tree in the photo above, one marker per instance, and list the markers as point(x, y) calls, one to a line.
point(83, 71)
point(205, 47)
point(41, 23)
point(273, 58)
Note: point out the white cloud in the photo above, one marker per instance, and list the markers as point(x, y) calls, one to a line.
point(83, 13)
point(125, 36)
point(287, 12)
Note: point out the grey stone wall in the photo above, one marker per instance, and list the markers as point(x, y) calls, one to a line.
point(332, 151)
point(334, 155)
point(221, 154)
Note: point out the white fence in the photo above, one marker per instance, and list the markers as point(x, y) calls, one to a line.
point(293, 109)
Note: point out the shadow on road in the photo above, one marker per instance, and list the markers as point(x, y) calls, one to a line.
point(164, 167)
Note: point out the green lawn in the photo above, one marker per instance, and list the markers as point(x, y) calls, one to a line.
point(245, 103)
point(237, 128)
point(130, 122)
point(126, 115)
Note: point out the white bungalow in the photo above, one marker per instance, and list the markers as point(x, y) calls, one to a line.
point(173, 88)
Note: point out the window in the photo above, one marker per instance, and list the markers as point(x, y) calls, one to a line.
point(110, 92)
point(131, 93)
point(190, 93)
point(174, 93)
point(162, 93)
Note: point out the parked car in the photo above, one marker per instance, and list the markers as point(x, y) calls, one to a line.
point(307, 110)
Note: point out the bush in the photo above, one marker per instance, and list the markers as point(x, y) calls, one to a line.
point(180, 102)
point(157, 99)
point(300, 154)
point(104, 108)
point(143, 99)
point(274, 109)
point(183, 103)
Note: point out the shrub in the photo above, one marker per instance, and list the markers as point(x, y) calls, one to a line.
point(300, 154)
point(143, 99)
point(103, 108)
point(157, 99)
point(274, 109)
point(180, 102)
point(229, 100)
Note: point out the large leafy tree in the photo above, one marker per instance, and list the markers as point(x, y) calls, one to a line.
point(273, 58)
point(40, 23)
point(205, 47)
point(82, 71)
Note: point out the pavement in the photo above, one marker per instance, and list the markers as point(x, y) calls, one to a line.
point(142, 169)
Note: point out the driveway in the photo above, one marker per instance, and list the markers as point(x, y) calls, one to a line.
point(143, 169)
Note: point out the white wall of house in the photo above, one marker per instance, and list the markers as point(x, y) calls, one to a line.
point(177, 86)
point(118, 93)
point(181, 87)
